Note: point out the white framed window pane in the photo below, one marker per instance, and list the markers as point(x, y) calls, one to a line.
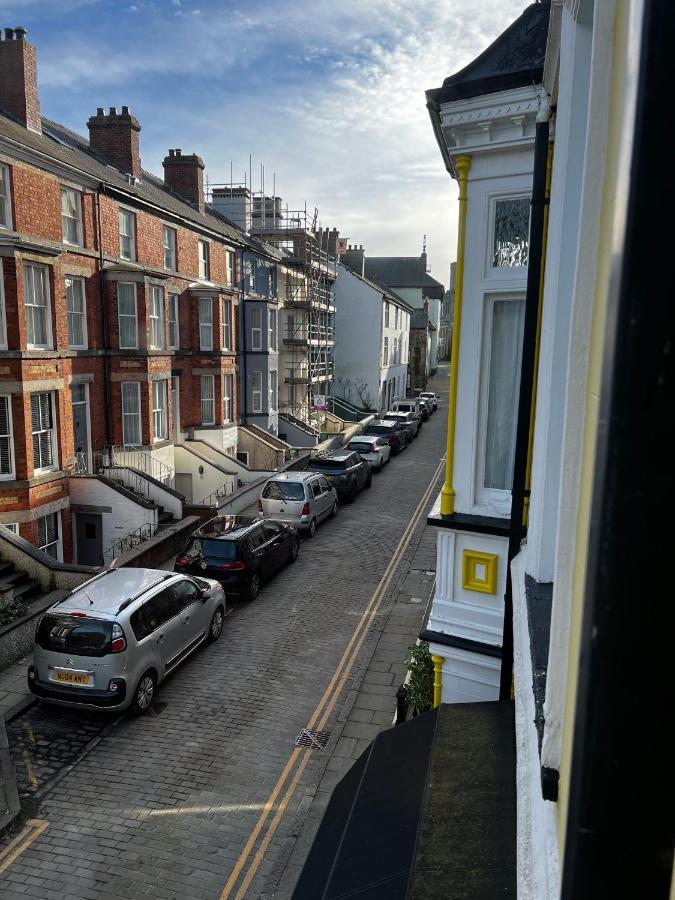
point(157, 318)
point(506, 338)
point(272, 329)
point(208, 400)
point(71, 216)
point(173, 321)
point(127, 235)
point(6, 443)
point(511, 241)
point(229, 266)
point(131, 413)
point(3, 311)
point(204, 268)
point(256, 329)
point(159, 411)
point(169, 242)
point(256, 391)
point(228, 388)
point(49, 534)
point(42, 428)
point(205, 324)
point(76, 310)
point(227, 325)
point(5, 201)
point(38, 326)
point(11, 526)
point(126, 310)
point(274, 389)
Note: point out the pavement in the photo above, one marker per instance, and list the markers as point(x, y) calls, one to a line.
point(210, 796)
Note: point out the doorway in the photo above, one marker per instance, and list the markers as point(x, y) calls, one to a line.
point(89, 539)
point(81, 429)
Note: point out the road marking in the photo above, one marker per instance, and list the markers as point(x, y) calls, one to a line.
point(23, 840)
point(30, 770)
point(322, 711)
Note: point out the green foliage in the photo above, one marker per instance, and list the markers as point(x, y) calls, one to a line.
point(421, 684)
point(10, 611)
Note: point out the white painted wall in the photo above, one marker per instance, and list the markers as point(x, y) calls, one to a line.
point(219, 437)
point(210, 479)
point(230, 463)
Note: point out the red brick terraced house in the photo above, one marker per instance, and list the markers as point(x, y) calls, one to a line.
point(118, 312)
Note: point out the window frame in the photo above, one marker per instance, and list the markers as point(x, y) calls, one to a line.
point(226, 324)
point(9, 437)
point(273, 390)
point(58, 542)
point(256, 330)
point(230, 267)
point(69, 312)
point(210, 419)
point(160, 413)
point(256, 392)
point(3, 311)
point(6, 199)
point(156, 291)
point(127, 215)
point(272, 328)
point(79, 241)
point(386, 314)
point(502, 272)
point(171, 247)
point(385, 352)
point(125, 415)
point(52, 431)
point(173, 306)
point(30, 267)
point(228, 397)
point(205, 324)
point(120, 345)
point(204, 259)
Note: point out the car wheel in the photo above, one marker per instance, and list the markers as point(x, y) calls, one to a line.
point(295, 549)
point(216, 626)
point(144, 694)
point(311, 531)
point(254, 586)
point(334, 510)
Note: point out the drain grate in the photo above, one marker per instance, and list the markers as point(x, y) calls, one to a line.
point(315, 740)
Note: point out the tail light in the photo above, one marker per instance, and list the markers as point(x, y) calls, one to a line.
point(79, 615)
point(260, 508)
point(305, 509)
point(119, 641)
point(182, 560)
point(233, 565)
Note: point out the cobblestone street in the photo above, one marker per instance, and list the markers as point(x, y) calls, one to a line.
point(208, 796)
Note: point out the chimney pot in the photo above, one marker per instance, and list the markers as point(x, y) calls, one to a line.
point(9, 34)
point(125, 110)
point(20, 33)
point(99, 111)
point(113, 110)
point(178, 151)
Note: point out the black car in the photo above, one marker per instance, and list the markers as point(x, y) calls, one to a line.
point(394, 432)
point(344, 470)
point(239, 552)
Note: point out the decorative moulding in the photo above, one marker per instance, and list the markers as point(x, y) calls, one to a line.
point(479, 571)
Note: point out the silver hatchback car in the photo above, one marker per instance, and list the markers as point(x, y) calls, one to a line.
point(108, 643)
point(302, 499)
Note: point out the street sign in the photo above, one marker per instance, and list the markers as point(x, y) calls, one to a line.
point(319, 401)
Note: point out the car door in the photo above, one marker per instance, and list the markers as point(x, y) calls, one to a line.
point(276, 542)
point(162, 628)
point(193, 613)
point(258, 551)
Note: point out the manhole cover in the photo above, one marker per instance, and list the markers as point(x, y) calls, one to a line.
point(315, 740)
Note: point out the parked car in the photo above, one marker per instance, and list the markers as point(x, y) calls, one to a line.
point(375, 450)
point(239, 552)
point(345, 470)
point(427, 408)
point(394, 432)
point(410, 405)
point(111, 641)
point(406, 419)
point(430, 395)
point(302, 499)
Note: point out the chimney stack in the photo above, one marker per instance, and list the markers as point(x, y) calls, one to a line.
point(185, 176)
point(115, 137)
point(355, 258)
point(18, 78)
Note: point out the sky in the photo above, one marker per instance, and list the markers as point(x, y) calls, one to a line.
point(328, 97)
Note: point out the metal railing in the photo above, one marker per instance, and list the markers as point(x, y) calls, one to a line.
point(213, 498)
point(129, 542)
point(142, 461)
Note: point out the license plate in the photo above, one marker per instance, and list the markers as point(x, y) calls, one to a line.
point(72, 678)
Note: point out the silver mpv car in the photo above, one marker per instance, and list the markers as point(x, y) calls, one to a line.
point(108, 643)
point(302, 499)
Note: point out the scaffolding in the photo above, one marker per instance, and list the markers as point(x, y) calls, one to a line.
point(306, 360)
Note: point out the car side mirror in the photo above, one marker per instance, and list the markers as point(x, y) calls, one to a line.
point(205, 594)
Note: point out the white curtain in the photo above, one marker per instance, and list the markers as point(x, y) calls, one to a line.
point(506, 338)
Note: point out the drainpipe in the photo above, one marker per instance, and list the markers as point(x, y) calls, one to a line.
point(243, 406)
point(462, 166)
point(104, 312)
point(538, 219)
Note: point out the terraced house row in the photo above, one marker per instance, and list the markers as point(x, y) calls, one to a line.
point(119, 331)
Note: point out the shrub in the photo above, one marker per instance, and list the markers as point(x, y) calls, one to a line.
point(421, 684)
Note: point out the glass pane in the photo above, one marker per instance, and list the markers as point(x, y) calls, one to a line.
point(506, 340)
point(511, 238)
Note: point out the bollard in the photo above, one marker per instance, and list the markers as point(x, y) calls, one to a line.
point(401, 704)
point(438, 679)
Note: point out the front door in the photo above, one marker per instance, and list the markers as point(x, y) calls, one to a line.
point(80, 400)
point(89, 539)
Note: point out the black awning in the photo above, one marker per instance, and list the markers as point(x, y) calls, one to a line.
point(428, 811)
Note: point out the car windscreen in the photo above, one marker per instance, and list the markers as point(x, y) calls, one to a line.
point(204, 547)
point(284, 490)
point(328, 465)
point(361, 447)
point(77, 635)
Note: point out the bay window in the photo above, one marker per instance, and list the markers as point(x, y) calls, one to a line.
point(228, 397)
point(173, 322)
point(511, 232)
point(37, 307)
point(205, 323)
point(131, 413)
point(256, 329)
point(156, 318)
point(227, 325)
point(76, 310)
point(43, 431)
point(256, 391)
point(127, 316)
point(160, 428)
point(208, 400)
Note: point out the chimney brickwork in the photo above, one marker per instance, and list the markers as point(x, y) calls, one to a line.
point(115, 137)
point(185, 176)
point(355, 257)
point(18, 78)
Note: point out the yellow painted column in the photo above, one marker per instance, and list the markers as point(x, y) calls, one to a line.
point(462, 166)
point(438, 679)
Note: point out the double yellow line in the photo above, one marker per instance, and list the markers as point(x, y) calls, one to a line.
point(301, 756)
point(32, 830)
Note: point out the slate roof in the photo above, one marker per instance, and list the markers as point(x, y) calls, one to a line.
point(514, 59)
point(65, 146)
point(401, 272)
point(381, 288)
